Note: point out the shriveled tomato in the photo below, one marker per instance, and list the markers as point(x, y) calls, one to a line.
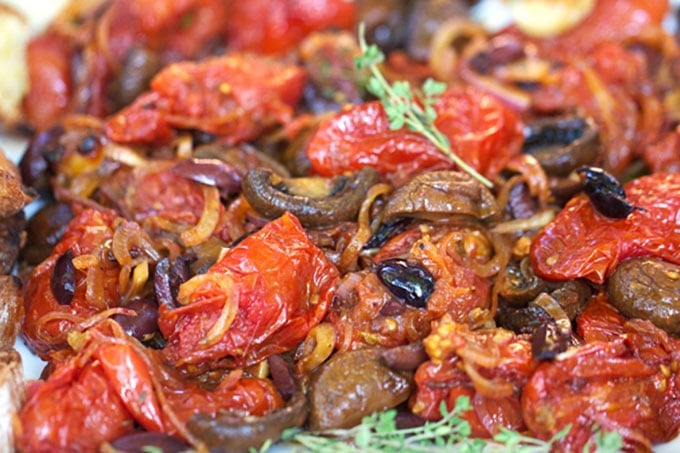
point(275, 26)
point(48, 59)
point(611, 84)
point(610, 21)
point(235, 96)
point(599, 320)
point(112, 383)
point(664, 155)
point(626, 385)
point(489, 366)
point(47, 320)
point(481, 130)
point(261, 298)
point(581, 243)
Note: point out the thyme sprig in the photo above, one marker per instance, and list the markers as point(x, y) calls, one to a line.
point(379, 433)
point(406, 107)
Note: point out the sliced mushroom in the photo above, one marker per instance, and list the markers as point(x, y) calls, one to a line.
point(518, 284)
point(384, 20)
point(352, 385)
point(562, 144)
point(229, 432)
point(441, 194)
point(647, 288)
point(315, 201)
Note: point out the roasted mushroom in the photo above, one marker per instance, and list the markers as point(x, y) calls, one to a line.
point(441, 194)
point(647, 288)
point(315, 201)
point(562, 144)
point(352, 385)
point(606, 194)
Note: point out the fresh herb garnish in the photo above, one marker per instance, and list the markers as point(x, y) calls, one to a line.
point(379, 433)
point(404, 106)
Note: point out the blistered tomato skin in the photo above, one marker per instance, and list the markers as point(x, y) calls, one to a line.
point(86, 232)
point(482, 132)
point(626, 384)
point(581, 243)
point(283, 285)
point(272, 27)
point(236, 96)
point(112, 385)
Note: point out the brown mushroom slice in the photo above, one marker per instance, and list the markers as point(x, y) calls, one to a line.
point(441, 194)
point(352, 385)
point(647, 288)
point(234, 433)
point(315, 201)
point(517, 284)
point(562, 144)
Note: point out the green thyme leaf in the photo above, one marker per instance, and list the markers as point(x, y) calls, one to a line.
point(406, 107)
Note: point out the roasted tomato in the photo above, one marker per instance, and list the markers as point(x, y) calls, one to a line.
point(48, 58)
point(113, 383)
point(599, 320)
point(628, 385)
point(610, 21)
point(481, 130)
point(236, 96)
point(610, 84)
point(376, 310)
point(261, 298)
point(580, 243)
point(58, 295)
point(489, 366)
point(266, 26)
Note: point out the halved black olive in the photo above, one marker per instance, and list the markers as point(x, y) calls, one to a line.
point(605, 192)
point(314, 201)
point(42, 150)
point(562, 144)
point(145, 323)
point(211, 172)
point(63, 282)
point(408, 282)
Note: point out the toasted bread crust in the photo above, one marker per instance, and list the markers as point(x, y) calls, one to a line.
point(11, 311)
point(12, 395)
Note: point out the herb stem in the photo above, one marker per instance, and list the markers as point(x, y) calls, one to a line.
point(412, 115)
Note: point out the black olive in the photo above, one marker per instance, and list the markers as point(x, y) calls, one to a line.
point(386, 231)
point(548, 341)
point(88, 145)
point(43, 149)
point(146, 321)
point(405, 281)
point(605, 192)
point(63, 282)
point(168, 277)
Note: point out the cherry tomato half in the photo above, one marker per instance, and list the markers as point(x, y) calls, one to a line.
point(276, 285)
point(581, 243)
point(481, 131)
